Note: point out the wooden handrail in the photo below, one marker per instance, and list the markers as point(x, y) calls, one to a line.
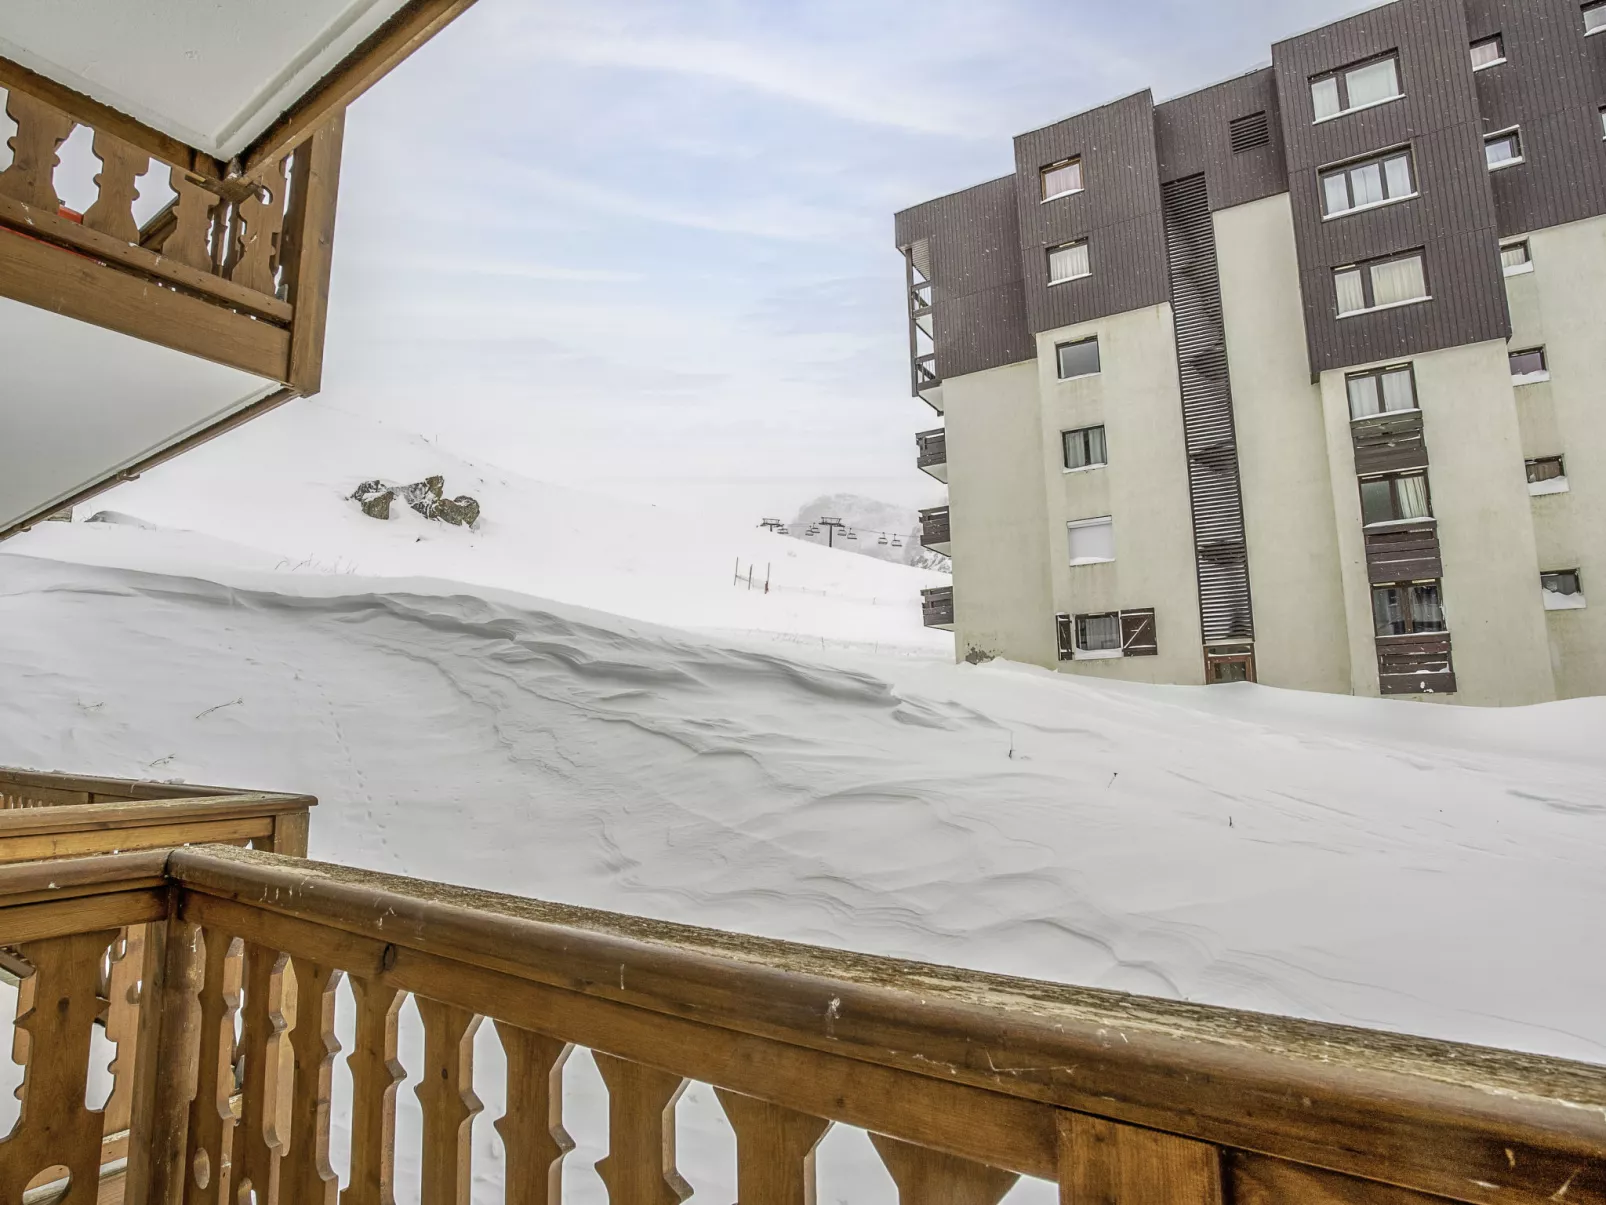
point(1458, 1121)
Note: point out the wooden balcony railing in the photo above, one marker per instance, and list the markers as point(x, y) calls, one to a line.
point(60, 815)
point(934, 528)
point(965, 1081)
point(937, 607)
point(234, 269)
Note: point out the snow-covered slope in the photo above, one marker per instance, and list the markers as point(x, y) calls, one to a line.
point(275, 495)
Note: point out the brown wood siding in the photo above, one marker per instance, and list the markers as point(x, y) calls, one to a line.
point(1413, 665)
point(1405, 553)
point(1552, 85)
point(1193, 134)
point(971, 254)
point(1389, 444)
point(1453, 220)
point(937, 606)
point(1118, 213)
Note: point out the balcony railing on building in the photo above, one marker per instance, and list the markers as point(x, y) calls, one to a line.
point(937, 607)
point(932, 453)
point(216, 974)
point(925, 382)
point(934, 532)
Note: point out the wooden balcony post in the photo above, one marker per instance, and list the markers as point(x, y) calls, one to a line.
point(926, 1177)
point(258, 1143)
point(446, 1091)
point(309, 248)
point(774, 1150)
point(1107, 1163)
point(532, 1126)
point(639, 1168)
point(375, 1072)
point(307, 1175)
point(171, 1019)
point(210, 1139)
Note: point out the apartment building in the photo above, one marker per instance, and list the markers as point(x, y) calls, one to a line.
point(1299, 378)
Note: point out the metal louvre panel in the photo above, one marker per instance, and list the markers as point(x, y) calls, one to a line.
point(1208, 432)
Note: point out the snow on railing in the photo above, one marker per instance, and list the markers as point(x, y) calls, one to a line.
point(965, 1081)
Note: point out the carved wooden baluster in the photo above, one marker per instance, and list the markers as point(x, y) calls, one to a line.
point(375, 1072)
point(774, 1150)
point(122, 1024)
point(926, 1177)
point(54, 1126)
point(1113, 1164)
point(532, 1126)
point(263, 219)
point(41, 130)
point(121, 166)
point(257, 1144)
point(211, 1128)
point(307, 1177)
point(639, 1168)
point(446, 1090)
point(191, 241)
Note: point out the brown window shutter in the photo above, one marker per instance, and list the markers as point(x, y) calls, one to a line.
point(1067, 636)
point(1137, 634)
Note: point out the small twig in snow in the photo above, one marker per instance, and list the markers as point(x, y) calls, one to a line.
point(220, 707)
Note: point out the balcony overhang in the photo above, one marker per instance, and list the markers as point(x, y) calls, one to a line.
point(231, 79)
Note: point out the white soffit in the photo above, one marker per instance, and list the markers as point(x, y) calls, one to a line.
point(79, 403)
point(212, 73)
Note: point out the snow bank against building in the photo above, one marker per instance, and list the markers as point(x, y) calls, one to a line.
point(276, 495)
point(1417, 867)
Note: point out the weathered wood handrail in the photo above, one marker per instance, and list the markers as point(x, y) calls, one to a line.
point(965, 1080)
point(58, 815)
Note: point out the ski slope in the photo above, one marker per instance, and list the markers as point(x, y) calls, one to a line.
point(465, 714)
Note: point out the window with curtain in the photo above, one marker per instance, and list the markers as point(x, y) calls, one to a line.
point(1488, 52)
point(1384, 282)
point(1503, 149)
point(1546, 468)
point(1061, 179)
point(1098, 633)
point(1406, 608)
point(1530, 362)
point(1357, 87)
point(1381, 390)
point(1368, 183)
point(1068, 261)
point(1084, 448)
point(1595, 17)
point(1395, 498)
point(1515, 257)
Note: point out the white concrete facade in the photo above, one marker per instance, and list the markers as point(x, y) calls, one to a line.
point(1011, 496)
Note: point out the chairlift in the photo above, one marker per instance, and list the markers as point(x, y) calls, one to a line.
point(852, 535)
point(782, 531)
point(883, 538)
point(896, 542)
point(812, 531)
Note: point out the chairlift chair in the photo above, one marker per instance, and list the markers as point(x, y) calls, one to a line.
point(896, 542)
point(883, 538)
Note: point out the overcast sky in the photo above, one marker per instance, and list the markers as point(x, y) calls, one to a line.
point(646, 245)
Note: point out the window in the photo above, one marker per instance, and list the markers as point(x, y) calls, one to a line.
point(1595, 17)
point(1503, 149)
point(1110, 634)
point(1061, 179)
point(1078, 359)
point(1381, 391)
point(1546, 468)
point(1385, 282)
point(1246, 133)
point(1488, 53)
point(1068, 261)
point(1560, 581)
point(1098, 633)
point(1406, 608)
point(1515, 258)
point(1603, 122)
point(1084, 448)
point(1092, 541)
point(1395, 498)
point(1529, 365)
point(1367, 184)
point(1358, 87)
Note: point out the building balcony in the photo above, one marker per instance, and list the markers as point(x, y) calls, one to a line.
point(934, 530)
point(218, 974)
point(932, 453)
point(937, 607)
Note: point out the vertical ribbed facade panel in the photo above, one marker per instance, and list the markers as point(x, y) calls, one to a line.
point(1453, 217)
point(1211, 441)
point(1118, 213)
point(970, 244)
point(1193, 134)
